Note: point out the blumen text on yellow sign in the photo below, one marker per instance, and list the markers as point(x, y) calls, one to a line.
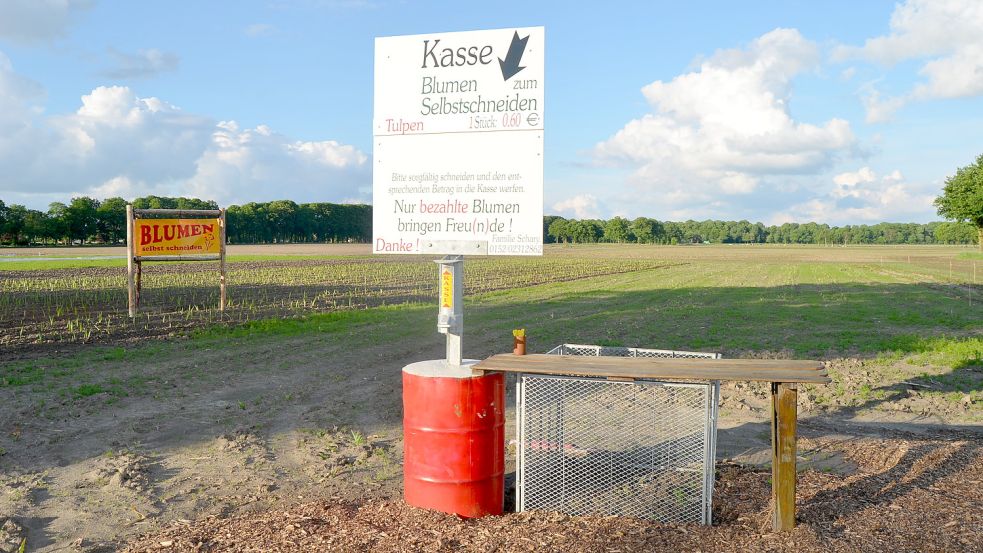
point(158, 237)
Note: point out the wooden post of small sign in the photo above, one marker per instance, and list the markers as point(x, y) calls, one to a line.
point(783, 451)
point(139, 281)
point(130, 288)
point(221, 295)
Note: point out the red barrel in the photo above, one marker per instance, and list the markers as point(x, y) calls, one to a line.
point(454, 439)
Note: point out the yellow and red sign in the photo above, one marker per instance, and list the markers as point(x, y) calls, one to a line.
point(447, 289)
point(157, 237)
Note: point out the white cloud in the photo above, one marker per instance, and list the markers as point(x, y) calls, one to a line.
point(118, 143)
point(724, 128)
point(143, 64)
point(250, 164)
point(21, 101)
point(958, 75)
point(922, 28)
point(583, 206)
point(116, 186)
point(945, 33)
point(878, 110)
point(116, 133)
point(33, 21)
point(20, 97)
point(863, 197)
point(864, 174)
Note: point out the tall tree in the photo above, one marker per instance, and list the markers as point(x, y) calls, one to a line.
point(194, 203)
point(13, 228)
point(617, 230)
point(559, 230)
point(3, 219)
point(57, 228)
point(647, 231)
point(111, 220)
point(955, 233)
point(35, 226)
point(282, 220)
point(962, 197)
point(588, 231)
point(547, 221)
point(81, 218)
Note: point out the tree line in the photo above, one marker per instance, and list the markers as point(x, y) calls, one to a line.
point(644, 230)
point(89, 221)
point(283, 221)
point(86, 220)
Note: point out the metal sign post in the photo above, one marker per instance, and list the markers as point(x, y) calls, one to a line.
point(457, 170)
point(450, 315)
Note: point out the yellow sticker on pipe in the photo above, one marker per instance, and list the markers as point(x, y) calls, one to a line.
point(447, 289)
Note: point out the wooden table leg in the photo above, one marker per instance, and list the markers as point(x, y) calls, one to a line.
point(783, 476)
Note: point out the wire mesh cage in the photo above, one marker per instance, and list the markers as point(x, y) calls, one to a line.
point(618, 351)
point(593, 446)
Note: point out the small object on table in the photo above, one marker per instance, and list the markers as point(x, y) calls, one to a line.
point(519, 341)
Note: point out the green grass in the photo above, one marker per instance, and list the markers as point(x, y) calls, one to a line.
point(332, 322)
point(47, 264)
point(61, 306)
point(957, 353)
point(119, 371)
point(737, 307)
point(21, 373)
point(807, 310)
point(87, 390)
point(971, 255)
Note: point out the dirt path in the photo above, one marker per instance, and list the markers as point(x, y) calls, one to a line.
point(270, 423)
point(257, 426)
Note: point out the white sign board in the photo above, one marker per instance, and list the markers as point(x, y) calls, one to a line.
point(458, 143)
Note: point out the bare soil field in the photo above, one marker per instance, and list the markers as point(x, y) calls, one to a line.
point(52, 308)
point(232, 250)
point(286, 435)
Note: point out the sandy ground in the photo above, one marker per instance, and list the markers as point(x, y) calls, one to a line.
point(300, 426)
point(269, 424)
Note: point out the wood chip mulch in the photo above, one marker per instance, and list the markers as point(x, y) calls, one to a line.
point(907, 495)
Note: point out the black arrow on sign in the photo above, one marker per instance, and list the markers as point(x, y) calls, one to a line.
point(510, 65)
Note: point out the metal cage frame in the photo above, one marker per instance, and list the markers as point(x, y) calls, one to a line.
point(568, 460)
point(619, 351)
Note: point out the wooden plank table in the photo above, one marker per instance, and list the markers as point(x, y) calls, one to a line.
point(784, 376)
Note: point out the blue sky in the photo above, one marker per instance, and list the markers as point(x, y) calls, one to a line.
point(837, 112)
